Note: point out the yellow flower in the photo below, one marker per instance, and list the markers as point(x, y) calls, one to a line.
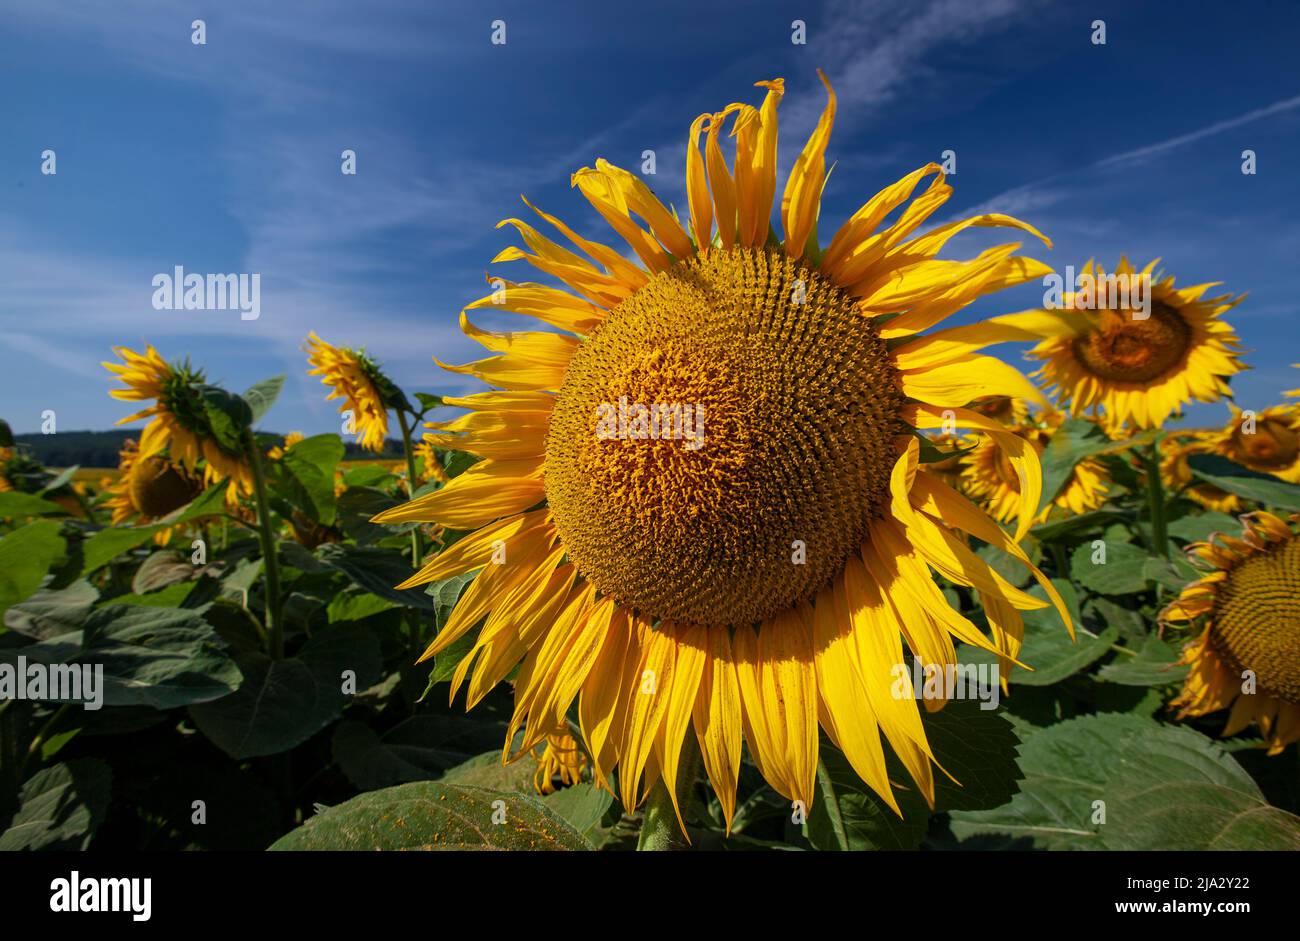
point(1268, 442)
point(750, 562)
point(1177, 474)
point(178, 424)
point(561, 757)
point(352, 377)
point(276, 453)
point(1140, 370)
point(990, 479)
point(149, 488)
point(1247, 655)
point(430, 463)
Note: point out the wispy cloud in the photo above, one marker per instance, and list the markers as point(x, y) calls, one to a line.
point(1154, 150)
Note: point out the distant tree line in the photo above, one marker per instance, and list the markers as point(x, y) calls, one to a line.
point(100, 448)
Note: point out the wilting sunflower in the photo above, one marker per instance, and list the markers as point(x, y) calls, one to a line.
point(1140, 370)
point(1268, 442)
point(1247, 655)
point(1177, 474)
point(748, 556)
point(990, 479)
point(179, 426)
point(148, 488)
point(355, 378)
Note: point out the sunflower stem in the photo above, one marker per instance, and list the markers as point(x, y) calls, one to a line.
point(271, 562)
point(410, 481)
point(1156, 499)
point(659, 827)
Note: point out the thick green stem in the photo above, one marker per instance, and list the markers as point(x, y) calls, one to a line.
point(270, 560)
point(1156, 500)
point(410, 481)
point(659, 827)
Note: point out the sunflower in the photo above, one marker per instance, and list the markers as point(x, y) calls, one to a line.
point(430, 464)
point(180, 425)
point(1140, 369)
point(746, 557)
point(149, 488)
point(990, 479)
point(1268, 443)
point(276, 452)
point(355, 378)
point(1177, 474)
point(1248, 654)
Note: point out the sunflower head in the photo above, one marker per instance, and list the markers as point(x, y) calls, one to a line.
point(1247, 654)
point(701, 503)
point(180, 420)
point(989, 477)
point(1139, 363)
point(1268, 442)
point(356, 379)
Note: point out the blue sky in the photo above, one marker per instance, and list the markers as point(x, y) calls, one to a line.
point(225, 158)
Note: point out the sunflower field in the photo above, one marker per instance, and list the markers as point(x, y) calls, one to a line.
point(744, 542)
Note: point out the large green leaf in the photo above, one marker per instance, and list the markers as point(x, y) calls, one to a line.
point(1245, 483)
point(977, 746)
point(26, 554)
point(15, 504)
point(1072, 442)
point(1155, 664)
point(426, 815)
point(151, 656)
point(49, 612)
point(107, 544)
point(1158, 786)
point(1121, 574)
point(60, 807)
point(377, 570)
point(309, 475)
point(282, 703)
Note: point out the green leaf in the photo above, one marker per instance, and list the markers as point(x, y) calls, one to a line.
point(1245, 483)
point(261, 396)
point(228, 415)
point(49, 612)
point(1096, 519)
point(581, 805)
point(156, 657)
point(376, 570)
point(161, 569)
point(282, 703)
point(426, 815)
point(26, 554)
point(1196, 527)
point(1156, 664)
point(1160, 787)
point(60, 807)
point(1047, 647)
point(428, 402)
point(977, 746)
point(1120, 574)
point(107, 544)
point(62, 479)
point(15, 504)
point(1174, 573)
point(1072, 442)
point(309, 475)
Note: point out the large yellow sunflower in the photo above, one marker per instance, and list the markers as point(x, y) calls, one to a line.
point(989, 478)
point(354, 378)
point(149, 488)
point(1139, 370)
point(748, 557)
point(1247, 655)
point(179, 425)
